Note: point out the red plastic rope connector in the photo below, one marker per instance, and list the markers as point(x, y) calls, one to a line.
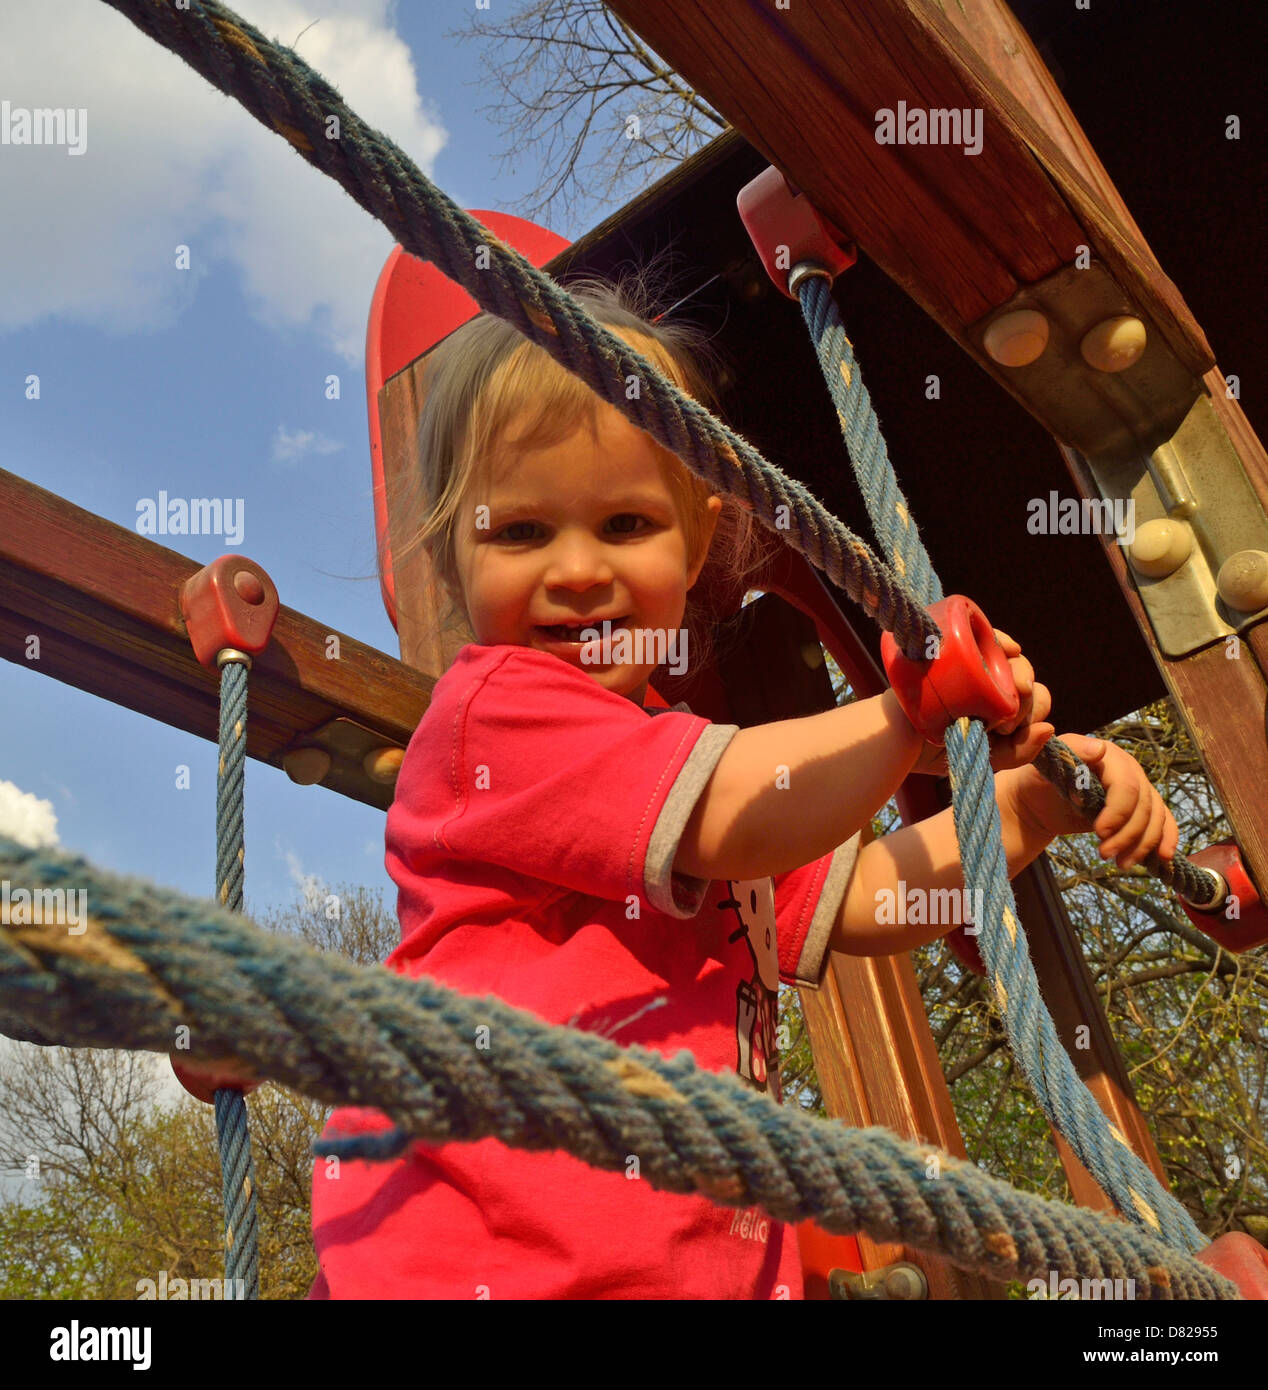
point(229, 603)
point(786, 229)
point(1239, 920)
point(203, 1085)
point(969, 675)
point(1242, 1259)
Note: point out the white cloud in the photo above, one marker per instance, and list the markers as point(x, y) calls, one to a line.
point(28, 819)
point(291, 447)
point(170, 161)
point(311, 886)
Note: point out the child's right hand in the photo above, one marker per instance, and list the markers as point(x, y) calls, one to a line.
point(1016, 742)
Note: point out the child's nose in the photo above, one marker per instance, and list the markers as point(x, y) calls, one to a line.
point(577, 562)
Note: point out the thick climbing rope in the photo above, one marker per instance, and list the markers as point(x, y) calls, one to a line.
point(1064, 1098)
point(282, 92)
point(237, 1173)
point(445, 1067)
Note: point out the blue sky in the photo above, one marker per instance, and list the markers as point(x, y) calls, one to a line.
point(209, 382)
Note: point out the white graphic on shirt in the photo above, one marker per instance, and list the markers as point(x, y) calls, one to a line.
point(757, 999)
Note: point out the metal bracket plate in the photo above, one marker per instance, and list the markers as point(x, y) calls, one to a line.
point(1149, 436)
point(1110, 415)
point(1196, 477)
point(347, 744)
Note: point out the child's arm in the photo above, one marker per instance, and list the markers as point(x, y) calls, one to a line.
point(1134, 823)
point(785, 794)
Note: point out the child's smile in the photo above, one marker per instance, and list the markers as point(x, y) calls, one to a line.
point(571, 535)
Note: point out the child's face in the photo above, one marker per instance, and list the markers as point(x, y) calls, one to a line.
point(575, 533)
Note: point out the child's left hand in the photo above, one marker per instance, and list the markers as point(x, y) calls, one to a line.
point(1018, 741)
point(1134, 822)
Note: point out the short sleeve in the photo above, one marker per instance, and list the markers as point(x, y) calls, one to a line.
point(525, 762)
point(808, 903)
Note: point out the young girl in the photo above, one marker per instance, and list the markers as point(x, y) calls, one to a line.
point(564, 841)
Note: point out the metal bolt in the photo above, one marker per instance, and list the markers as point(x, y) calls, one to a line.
point(906, 1282)
point(383, 764)
point(1161, 547)
point(306, 766)
point(1114, 345)
point(1016, 339)
point(1243, 581)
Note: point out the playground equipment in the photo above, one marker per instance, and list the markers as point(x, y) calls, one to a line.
point(230, 52)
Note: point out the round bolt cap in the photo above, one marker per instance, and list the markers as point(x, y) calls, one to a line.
point(383, 764)
point(1114, 345)
point(812, 655)
point(1018, 338)
point(306, 766)
point(248, 586)
point(1243, 581)
point(1161, 547)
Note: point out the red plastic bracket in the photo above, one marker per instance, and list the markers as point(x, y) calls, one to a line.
point(229, 603)
point(203, 1085)
point(785, 227)
point(1249, 928)
point(969, 676)
point(1242, 1259)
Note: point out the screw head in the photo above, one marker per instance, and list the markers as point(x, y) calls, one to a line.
point(1114, 345)
point(1018, 338)
point(1243, 581)
point(383, 764)
point(1161, 547)
point(306, 766)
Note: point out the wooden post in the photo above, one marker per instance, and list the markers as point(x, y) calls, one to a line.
point(874, 1053)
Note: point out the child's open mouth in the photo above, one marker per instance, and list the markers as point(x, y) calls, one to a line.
point(572, 632)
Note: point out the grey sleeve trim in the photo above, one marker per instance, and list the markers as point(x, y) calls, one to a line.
point(678, 894)
point(814, 949)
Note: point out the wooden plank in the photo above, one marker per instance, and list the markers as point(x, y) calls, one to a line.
point(959, 233)
point(105, 603)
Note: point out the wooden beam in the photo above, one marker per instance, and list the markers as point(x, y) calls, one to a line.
point(104, 603)
point(960, 233)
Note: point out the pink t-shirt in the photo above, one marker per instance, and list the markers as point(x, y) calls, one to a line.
point(532, 840)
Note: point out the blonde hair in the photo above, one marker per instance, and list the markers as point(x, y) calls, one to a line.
point(486, 378)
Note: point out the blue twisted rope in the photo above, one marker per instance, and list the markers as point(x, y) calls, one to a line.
point(152, 959)
point(237, 1173)
point(1066, 1101)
